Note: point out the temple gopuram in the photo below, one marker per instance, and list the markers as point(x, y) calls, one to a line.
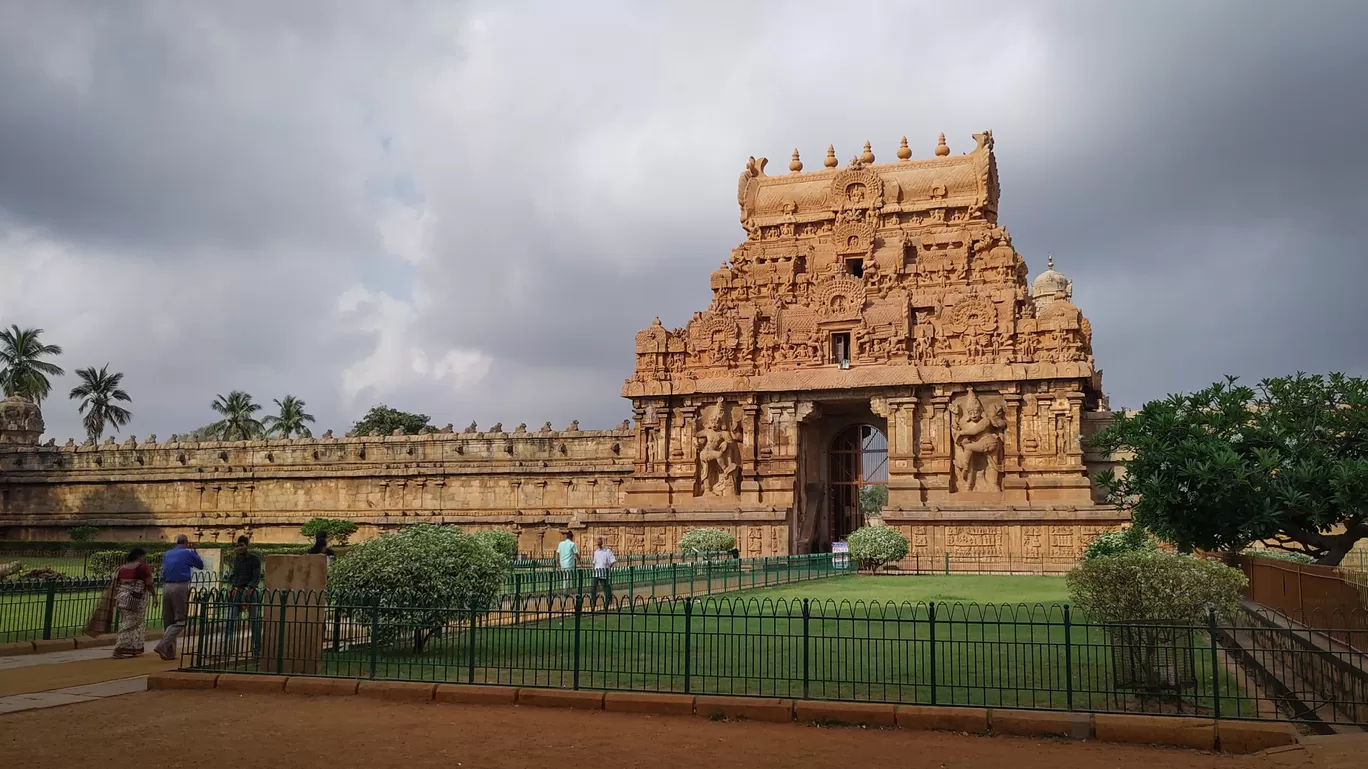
point(875, 339)
point(874, 353)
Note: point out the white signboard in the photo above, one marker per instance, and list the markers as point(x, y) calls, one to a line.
point(839, 554)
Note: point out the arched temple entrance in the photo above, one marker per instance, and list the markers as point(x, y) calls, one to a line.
point(857, 479)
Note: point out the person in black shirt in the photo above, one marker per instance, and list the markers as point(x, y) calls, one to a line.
point(244, 574)
point(320, 545)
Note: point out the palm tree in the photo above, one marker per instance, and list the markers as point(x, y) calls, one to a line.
point(99, 391)
point(24, 373)
point(239, 422)
point(290, 421)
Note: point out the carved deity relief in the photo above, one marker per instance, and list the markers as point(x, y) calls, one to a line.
point(719, 454)
point(977, 451)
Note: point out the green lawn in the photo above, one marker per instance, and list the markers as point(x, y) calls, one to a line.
point(941, 589)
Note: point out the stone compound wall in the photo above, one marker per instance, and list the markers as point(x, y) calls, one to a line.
point(541, 482)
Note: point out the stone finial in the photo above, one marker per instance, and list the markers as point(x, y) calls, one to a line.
point(626, 425)
point(472, 428)
point(796, 164)
point(831, 161)
point(521, 428)
point(71, 443)
point(52, 443)
point(546, 428)
point(904, 151)
point(327, 436)
point(497, 428)
point(867, 157)
point(942, 149)
point(1049, 262)
point(151, 440)
point(448, 429)
point(350, 434)
point(398, 431)
point(573, 427)
point(425, 430)
point(109, 441)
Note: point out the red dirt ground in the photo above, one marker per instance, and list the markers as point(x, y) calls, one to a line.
point(190, 729)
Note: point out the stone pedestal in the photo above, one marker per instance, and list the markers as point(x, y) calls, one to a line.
point(294, 626)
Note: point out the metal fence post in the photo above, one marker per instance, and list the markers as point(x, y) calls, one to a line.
point(674, 580)
point(947, 563)
point(579, 612)
point(280, 645)
point(807, 614)
point(1215, 671)
point(707, 569)
point(1068, 659)
point(688, 654)
point(517, 597)
point(49, 609)
point(374, 635)
point(931, 614)
point(337, 629)
point(470, 653)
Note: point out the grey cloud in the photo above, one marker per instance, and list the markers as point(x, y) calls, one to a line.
point(1191, 166)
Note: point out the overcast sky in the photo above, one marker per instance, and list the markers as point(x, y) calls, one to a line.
point(468, 209)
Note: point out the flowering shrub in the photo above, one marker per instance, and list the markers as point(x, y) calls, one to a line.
point(706, 541)
point(422, 576)
point(1117, 542)
point(505, 543)
point(874, 546)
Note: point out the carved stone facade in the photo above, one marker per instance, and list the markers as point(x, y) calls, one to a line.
point(879, 294)
point(888, 295)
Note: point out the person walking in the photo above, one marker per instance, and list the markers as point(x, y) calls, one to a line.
point(567, 555)
point(130, 592)
point(178, 566)
point(603, 565)
point(243, 578)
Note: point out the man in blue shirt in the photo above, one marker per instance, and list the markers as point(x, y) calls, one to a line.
point(177, 566)
point(567, 557)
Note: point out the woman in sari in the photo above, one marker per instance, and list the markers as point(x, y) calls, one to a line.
point(131, 593)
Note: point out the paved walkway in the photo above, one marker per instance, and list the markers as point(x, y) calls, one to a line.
point(32, 681)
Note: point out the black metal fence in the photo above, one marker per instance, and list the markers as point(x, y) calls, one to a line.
point(1041, 657)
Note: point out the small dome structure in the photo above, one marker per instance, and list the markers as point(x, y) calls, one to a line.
point(1051, 283)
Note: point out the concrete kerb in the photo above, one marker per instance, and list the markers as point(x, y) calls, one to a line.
point(1236, 737)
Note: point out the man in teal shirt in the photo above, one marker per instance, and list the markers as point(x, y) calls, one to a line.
point(567, 553)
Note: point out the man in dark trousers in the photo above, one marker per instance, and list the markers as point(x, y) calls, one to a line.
point(243, 577)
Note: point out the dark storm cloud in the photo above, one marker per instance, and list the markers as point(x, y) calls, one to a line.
point(567, 175)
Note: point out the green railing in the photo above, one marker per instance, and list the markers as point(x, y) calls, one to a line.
point(42, 610)
point(1040, 657)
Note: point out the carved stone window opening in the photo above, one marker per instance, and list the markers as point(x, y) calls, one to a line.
point(840, 348)
point(855, 266)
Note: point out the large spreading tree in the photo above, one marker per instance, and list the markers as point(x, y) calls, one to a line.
point(383, 420)
point(1285, 463)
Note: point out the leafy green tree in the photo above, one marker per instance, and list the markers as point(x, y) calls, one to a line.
point(337, 529)
point(421, 578)
point(383, 420)
point(1285, 462)
point(100, 394)
point(24, 371)
point(239, 421)
point(873, 499)
point(874, 546)
point(291, 420)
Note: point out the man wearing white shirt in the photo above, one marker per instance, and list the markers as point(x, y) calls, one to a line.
point(603, 563)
